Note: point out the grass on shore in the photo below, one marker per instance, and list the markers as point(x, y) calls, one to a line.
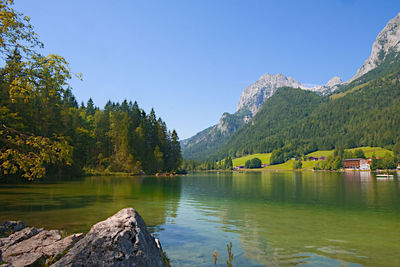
point(94, 172)
point(307, 165)
point(368, 151)
point(264, 157)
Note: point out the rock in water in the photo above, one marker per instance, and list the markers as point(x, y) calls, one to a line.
point(121, 240)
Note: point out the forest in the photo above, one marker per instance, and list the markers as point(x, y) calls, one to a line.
point(43, 129)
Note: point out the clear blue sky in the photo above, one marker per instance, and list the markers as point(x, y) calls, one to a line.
point(190, 59)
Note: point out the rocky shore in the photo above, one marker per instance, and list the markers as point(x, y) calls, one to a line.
point(120, 240)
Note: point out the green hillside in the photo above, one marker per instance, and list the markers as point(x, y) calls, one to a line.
point(279, 112)
point(295, 122)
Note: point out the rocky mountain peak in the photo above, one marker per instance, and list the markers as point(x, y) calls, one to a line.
point(335, 80)
point(388, 40)
point(254, 96)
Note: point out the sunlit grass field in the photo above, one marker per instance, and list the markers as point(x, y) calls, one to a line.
point(307, 165)
point(264, 157)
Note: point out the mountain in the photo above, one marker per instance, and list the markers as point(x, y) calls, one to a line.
point(387, 42)
point(280, 111)
point(384, 60)
point(208, 141)
point(294, 122)
point(254, 96)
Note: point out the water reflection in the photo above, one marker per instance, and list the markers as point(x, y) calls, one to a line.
point(272, 218)
point(75, 206)
point(310, 218)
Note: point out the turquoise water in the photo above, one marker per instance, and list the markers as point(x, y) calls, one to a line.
point(271, 218)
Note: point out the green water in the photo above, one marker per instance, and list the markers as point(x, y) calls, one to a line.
point(271, 218)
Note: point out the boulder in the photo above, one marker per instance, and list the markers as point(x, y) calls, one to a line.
point(17, 237)
point(121, 240)
point(46, 245)
point(9, 227)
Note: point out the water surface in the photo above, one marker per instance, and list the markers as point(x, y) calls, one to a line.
point(271, 218)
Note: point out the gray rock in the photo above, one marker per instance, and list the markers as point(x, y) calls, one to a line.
point(121, 240)
point(387, 40)
point(46, 245)
point(17, 237)
point(9, 227)
point(254, 96)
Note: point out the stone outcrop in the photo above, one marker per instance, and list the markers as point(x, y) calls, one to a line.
point(32, 246)
point(9, 227)
point(254, 95)
point(121, 240)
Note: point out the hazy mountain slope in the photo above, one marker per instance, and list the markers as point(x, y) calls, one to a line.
point(208, 141)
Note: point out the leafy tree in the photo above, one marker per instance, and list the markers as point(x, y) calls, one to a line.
point(374, 163)
point(359, 153)
point(228, 163)
point(90, 108)
point(253, 163)
point(396, 150)
point(297, 165)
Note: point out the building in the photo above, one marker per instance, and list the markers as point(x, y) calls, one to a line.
point(357, 164)
point(240, 167)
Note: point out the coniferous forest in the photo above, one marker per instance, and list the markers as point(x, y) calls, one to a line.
point(43, 130)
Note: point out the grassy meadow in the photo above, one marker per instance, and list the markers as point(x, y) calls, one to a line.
point(307, 165)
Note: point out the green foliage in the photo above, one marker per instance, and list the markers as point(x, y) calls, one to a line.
point(286, 107)
point(228, 165)
point(229, 262)
point(29, 155)
point(253, 163)
point(297, 165)
point(211, 138)
point(359, 153)
point(396, 150)
point(335, 161)
point(386, 163)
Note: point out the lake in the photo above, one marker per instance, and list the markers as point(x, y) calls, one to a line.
point(271, 218)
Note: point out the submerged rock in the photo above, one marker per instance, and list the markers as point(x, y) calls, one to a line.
point(121, 240)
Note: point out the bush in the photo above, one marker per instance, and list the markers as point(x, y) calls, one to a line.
point(253, 163)
point(297, 164)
